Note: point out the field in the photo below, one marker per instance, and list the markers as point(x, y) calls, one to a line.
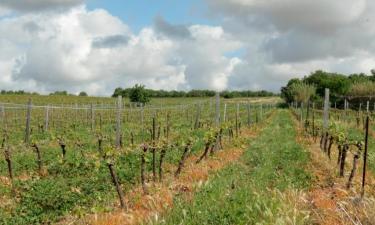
point(83, 160)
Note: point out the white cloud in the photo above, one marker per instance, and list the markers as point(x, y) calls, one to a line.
point(96, 52)
point(295, 37)
point(258, 45)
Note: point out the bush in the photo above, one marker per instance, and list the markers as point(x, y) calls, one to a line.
point(139, 94)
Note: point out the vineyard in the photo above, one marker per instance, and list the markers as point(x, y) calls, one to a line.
point(189, 161)
point(76, 159)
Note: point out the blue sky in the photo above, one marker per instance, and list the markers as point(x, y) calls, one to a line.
point(141, 13)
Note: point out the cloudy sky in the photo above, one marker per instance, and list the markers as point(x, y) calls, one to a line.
point(98, 45)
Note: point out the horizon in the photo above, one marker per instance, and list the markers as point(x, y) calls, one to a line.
point(96, 46)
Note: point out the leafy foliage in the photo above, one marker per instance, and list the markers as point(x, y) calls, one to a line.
point(139, 94)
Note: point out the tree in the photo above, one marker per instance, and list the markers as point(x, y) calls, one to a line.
point(286, 91)
point(118, 91)
point(373, 75)
point(62, 93)
point(302, 92)
point(338, 84)
point(139, 94)
point(82, 93)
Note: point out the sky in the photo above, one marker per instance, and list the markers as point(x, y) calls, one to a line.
point(98, 45)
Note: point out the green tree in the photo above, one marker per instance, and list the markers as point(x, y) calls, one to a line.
point(338, 84)
point(286, 92)
point(82, 93)
point(139, 94)
point(118, 91)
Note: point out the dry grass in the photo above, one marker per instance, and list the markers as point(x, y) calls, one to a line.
point(330, 201)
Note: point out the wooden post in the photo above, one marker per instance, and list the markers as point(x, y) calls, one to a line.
point(196, 124)
point(225, 113)
point(142, 122)
point(217, 104)
point(248, 114)
point(3, 117)
point(92, 117)
point(301, 119)
point(118, 121)
point(46, 122)
point(365, 157)
point(237, 118)
point(326, 110)
point(28, 120)
point(313, 119)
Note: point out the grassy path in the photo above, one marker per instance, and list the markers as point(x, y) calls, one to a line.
point(263, 187)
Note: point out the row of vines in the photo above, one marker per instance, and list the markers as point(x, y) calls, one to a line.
point(60, 161)
point(348, 136)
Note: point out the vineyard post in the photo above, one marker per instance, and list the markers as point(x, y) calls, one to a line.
point(154, 147)
point(261, 112)
point(217, 116)
point(118, 121)
point(237, 115)
point(225, 112)
point(368, 107)
point(326, 110)
point(196, 125)
point(313, 119)
point(92, 117)
point(365, 157)
point(301, 112)
point(28, 120)
point(168, 126)
point(346, 109)
point(211, 108)
point(142, 122)
point(46, 119)
point(76, 112)
point(3, 116)
point(248, 114)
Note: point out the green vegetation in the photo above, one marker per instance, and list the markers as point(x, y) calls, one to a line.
point(338, 84)
point(262, 188)
point(302, 92)
point(139, 94)
point(362, 89)
point(193, 93)
point(73, 178)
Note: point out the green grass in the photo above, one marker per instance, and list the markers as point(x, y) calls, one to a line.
point(261, 188)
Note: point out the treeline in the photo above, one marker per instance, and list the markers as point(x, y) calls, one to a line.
point(19, 92)
point(353, 86)
point(58, 93)
point(193, 93)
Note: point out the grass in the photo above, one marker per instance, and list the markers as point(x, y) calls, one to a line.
point(264, 187)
